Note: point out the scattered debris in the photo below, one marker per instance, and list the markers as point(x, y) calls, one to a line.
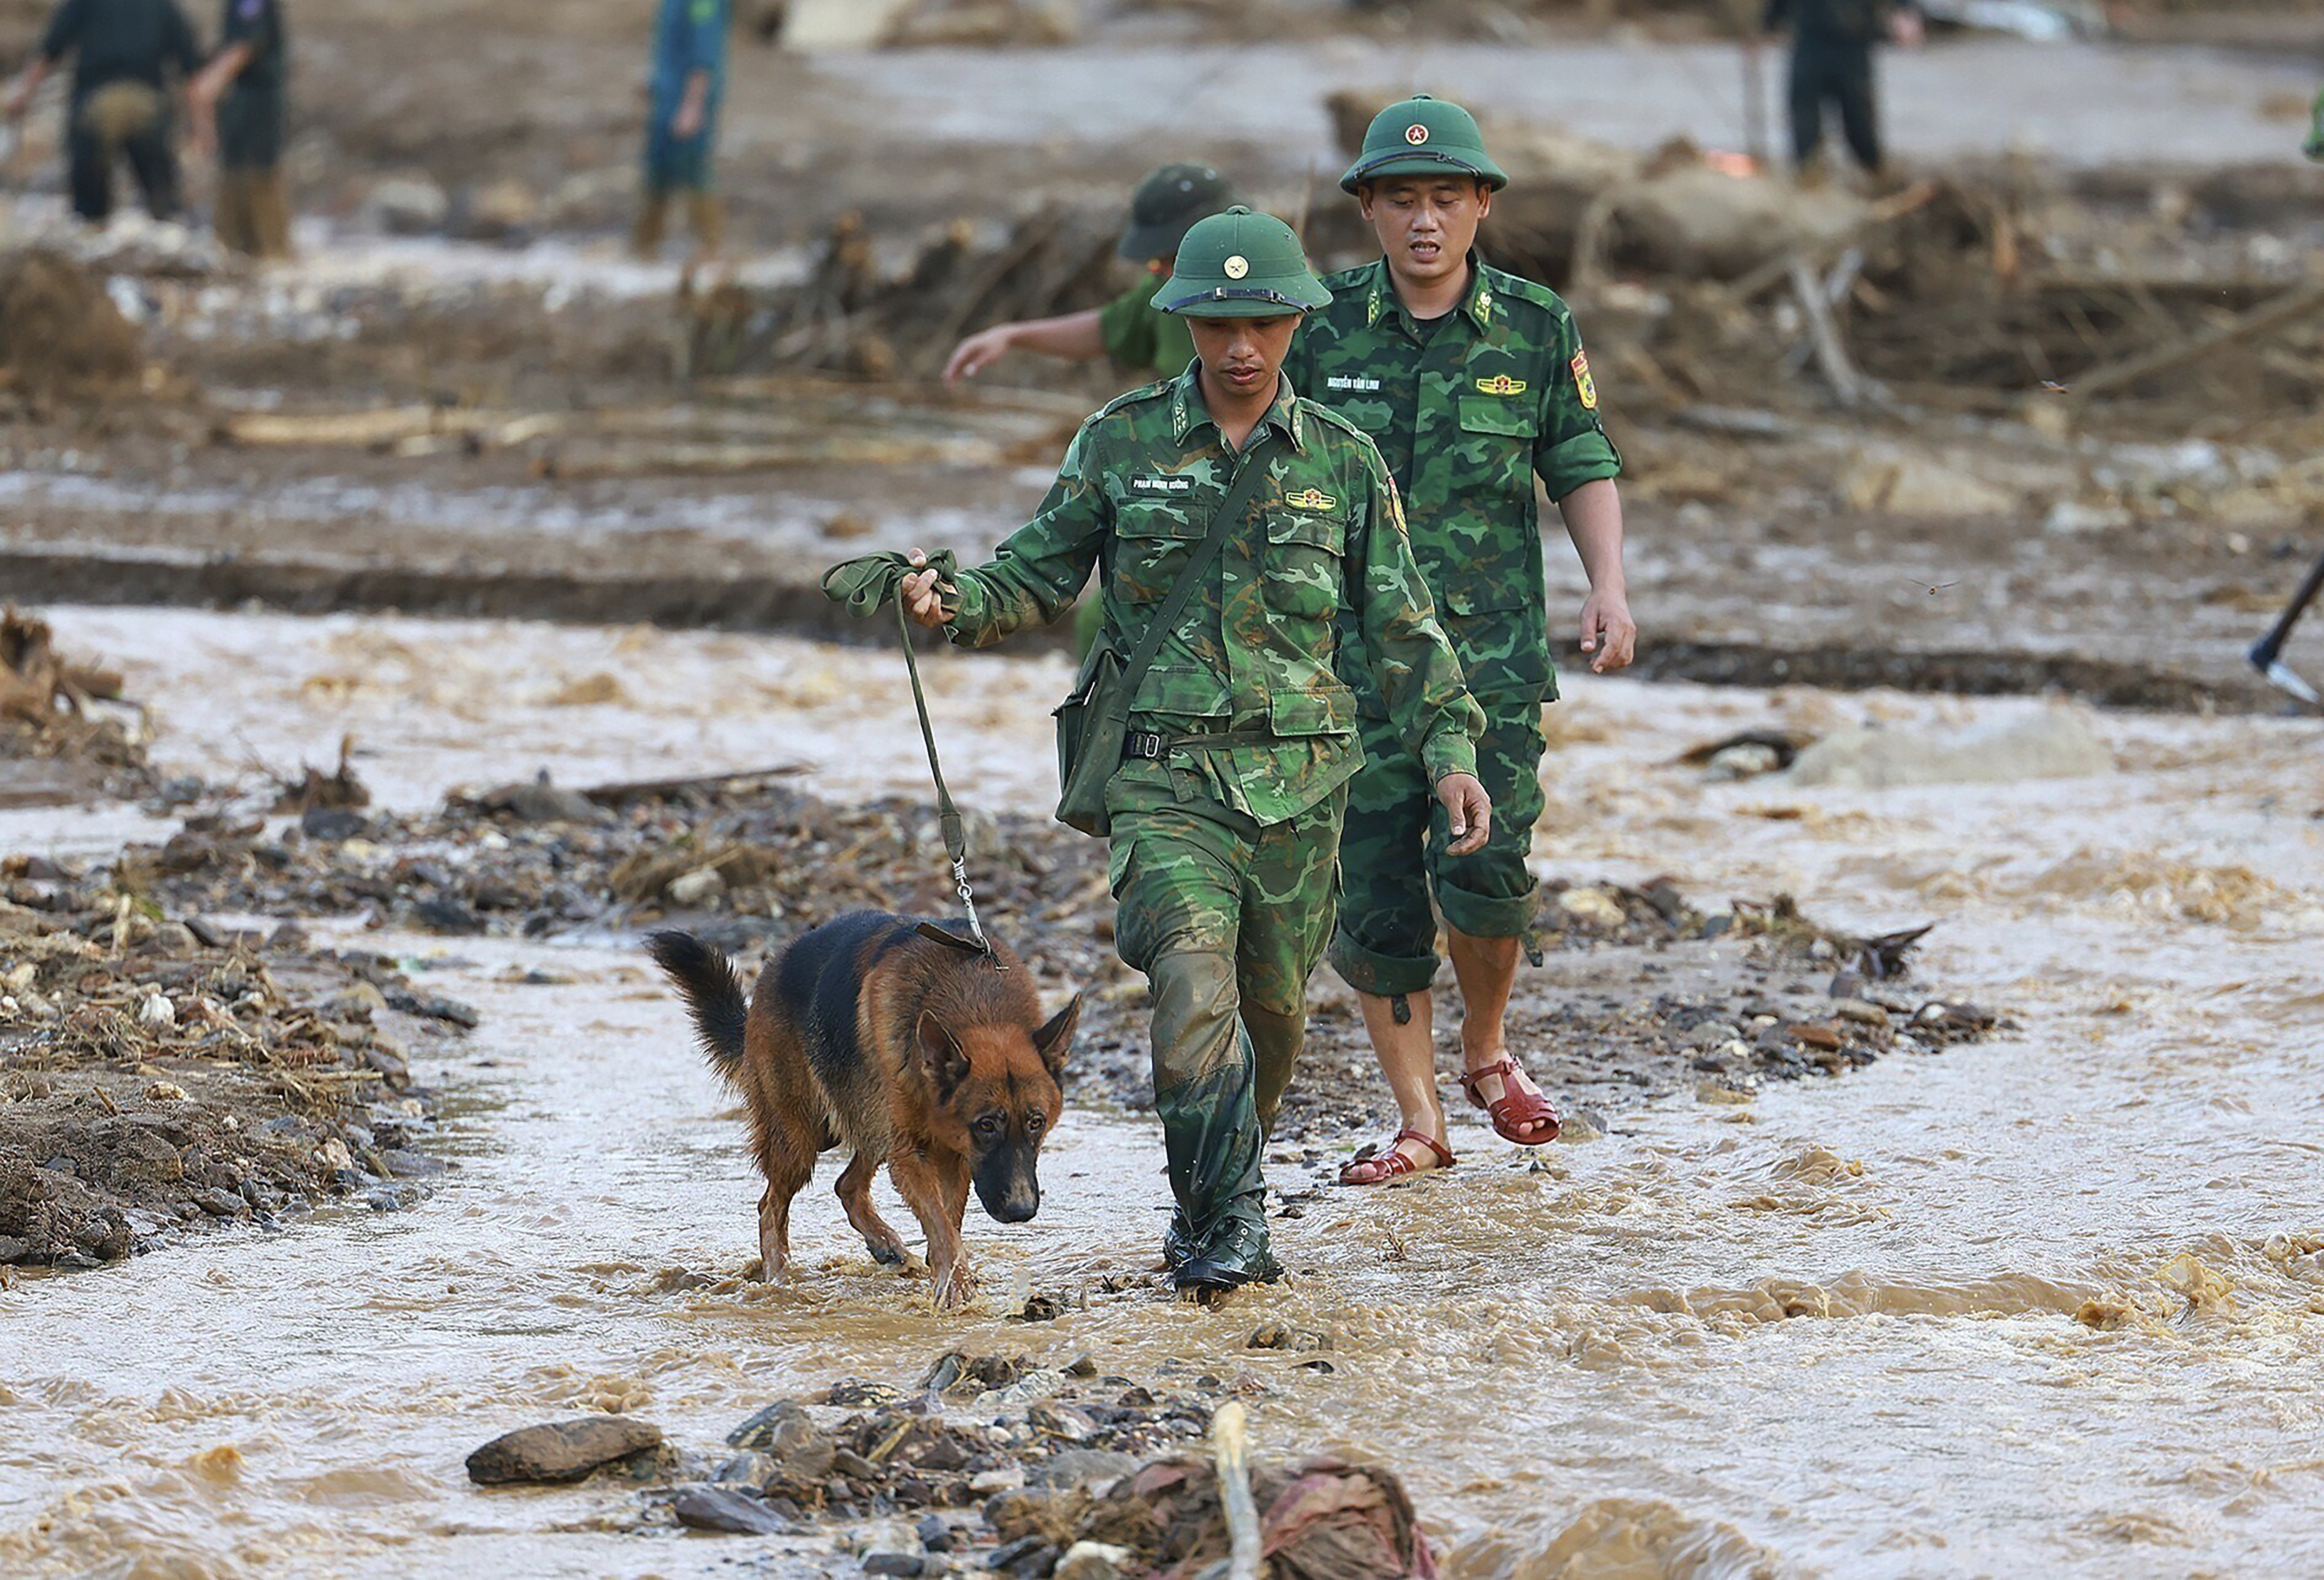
point(55, 750)
point(157, 1075)
point(61, 335)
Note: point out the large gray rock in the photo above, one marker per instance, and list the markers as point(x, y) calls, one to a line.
point(722, 1508)
point(2056, 743)
point(561, 1451)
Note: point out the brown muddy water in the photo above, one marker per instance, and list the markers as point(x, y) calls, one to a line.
point(2049, 1303)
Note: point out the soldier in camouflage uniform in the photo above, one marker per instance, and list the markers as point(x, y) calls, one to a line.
point(1130, 329)
point(1226, 811)
point(1473, 383)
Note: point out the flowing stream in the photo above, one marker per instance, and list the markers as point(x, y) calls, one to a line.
point(2051, 1303)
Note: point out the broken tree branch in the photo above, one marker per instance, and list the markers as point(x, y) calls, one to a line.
point(2279, 312)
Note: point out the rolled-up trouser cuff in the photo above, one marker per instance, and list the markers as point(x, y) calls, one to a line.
point(1486, 915)
point(1370, 971)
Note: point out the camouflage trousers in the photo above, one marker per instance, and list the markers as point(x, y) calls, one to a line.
point(1227, 919)
point(1393, 860)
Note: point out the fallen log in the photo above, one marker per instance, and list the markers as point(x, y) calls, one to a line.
point(1777, 269)
point(718, 460)
point(2279, 312)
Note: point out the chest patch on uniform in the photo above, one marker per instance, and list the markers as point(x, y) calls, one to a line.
point(1349, 381)
point(1583, 385)
point(1500, 384)
point(1309, 498)
point(1163, 485)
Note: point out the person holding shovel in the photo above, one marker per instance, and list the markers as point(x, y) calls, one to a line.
point(1237, 529)
point(1831, 64)
point(122, 53)
point(1474, 383)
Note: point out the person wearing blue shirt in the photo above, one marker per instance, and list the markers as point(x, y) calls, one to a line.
point(689, 72)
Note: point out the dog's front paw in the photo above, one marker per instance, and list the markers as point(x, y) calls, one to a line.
point(955, 1287)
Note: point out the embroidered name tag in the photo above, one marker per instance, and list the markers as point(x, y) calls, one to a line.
point(1343, 382)
point(1163, 485)
point(1311, 499)
point(1500, 384)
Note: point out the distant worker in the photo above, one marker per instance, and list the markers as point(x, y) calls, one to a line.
point(2314, 147)
point(122, 52)
point(690, 77)
point(238, 108)
point(1831, 63)
point(1130, 328)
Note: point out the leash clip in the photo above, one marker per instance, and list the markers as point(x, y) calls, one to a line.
point(968, 902)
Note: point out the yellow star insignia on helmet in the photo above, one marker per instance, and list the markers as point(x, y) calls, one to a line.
point(1312, 498)
point(1416, 135)
point(1500, 384)
point(1237, 266)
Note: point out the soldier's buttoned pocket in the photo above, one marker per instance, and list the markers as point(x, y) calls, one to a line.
point(1496, 449)
point(1304, 548)
point(1150, 549)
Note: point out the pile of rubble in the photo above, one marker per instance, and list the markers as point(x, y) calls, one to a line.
point(55, 747)
point(158, 1076)
point(994, 1465)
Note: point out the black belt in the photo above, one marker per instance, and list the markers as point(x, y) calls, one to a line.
point(1152, 746)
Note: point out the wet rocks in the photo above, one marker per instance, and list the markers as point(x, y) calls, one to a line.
point(2055, 743)
point(797, 1451)
point(724, 1510)
point(561, 1451)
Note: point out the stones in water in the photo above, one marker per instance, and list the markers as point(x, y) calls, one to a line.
point(726, 1510)
point(561, 1451)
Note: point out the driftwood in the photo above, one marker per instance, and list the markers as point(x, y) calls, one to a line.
point(1231, 1447)
point(632, 790)
point(1815, 255)
point(718, 460)
point(2279, 312)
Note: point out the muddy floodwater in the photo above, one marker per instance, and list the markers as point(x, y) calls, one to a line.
point(2049, 1303)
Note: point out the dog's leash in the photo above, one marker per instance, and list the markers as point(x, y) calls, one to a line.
point(948, 818)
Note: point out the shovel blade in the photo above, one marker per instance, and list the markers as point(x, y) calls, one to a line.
point(2280, 675)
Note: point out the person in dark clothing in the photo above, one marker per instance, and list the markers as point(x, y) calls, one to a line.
point(238, 102)
point(123, 52)
point(1831, 63)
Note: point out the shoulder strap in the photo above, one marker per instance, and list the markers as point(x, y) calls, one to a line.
point(1246, 483)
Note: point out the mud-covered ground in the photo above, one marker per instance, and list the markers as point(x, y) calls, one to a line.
point(163, 1076)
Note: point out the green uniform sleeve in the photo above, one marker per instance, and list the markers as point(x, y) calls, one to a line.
point(1411, 660)
point(1573, 448)
point(1126, 325)
point(1036, 574)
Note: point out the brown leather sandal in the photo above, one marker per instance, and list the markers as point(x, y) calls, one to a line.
point(1513, 1107)
point(1393, 1163)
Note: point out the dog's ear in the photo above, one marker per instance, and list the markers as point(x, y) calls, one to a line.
point(947, 1059)
point(1056, 1039)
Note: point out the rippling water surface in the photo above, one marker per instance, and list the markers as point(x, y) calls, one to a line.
point(2048, 1304)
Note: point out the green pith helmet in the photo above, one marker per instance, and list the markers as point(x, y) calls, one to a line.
point(1166, 202)
point(1241, 265)
point(1423, 136)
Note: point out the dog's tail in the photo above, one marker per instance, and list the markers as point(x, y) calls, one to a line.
point(713, 992)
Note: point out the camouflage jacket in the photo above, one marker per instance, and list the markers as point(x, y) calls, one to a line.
point(1141, 336)
point(1255, 651)
point(1467, 416)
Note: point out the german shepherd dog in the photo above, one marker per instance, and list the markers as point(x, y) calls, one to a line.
point(893, 1036)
